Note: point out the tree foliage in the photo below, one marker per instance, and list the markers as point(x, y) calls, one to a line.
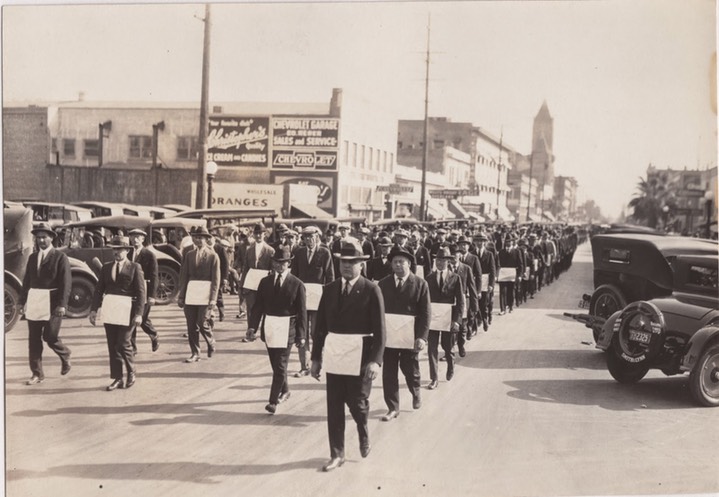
point(655, 201)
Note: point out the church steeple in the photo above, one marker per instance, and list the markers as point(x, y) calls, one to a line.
point(542, 145)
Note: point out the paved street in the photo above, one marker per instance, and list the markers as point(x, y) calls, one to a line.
point(531, 411)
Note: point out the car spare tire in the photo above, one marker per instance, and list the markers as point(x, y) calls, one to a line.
point(639, 332)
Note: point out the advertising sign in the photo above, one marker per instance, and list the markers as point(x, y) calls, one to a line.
point(305, 143)
point(238, 141)
point(232, 195)
point(324, 184)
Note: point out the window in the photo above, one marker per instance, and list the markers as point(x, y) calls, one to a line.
point(91, 148)
point(345, 152)
point(354, 155)
point(371, 158)
point(361, 158)
point(140, 147)
point(68, 147)
point(399, 145)
point(705, 277)
point(619, 256)
point(187, 148)
point(438, 143)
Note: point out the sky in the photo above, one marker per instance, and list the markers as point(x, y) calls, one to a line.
point(627, 82)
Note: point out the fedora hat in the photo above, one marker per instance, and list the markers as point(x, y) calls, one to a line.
point(384, 241)
point(350, 251)
point(399, 251)
point(464, 239)
point(119, 241)
point(43, 228)
point(259, 228)
point(282, 254)
point(200, 231)
point(444, 253)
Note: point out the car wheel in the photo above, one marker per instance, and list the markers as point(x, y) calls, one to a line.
point(168, 284)
point(623, 371)
point(605, 301)
point(704, 378)
point(80, 301)
point(12, 314)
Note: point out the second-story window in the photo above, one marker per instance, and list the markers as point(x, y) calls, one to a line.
point(68, 147)
point(140, 147)
point(91, 148)
point(187, 148)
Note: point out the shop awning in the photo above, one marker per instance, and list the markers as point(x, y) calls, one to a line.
point(548, 216)
point(309, 210)
point(533, 218)
point(437, 210)
point(504, 214)
point(476, 217)
point(456, 208)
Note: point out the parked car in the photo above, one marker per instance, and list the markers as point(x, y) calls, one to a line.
point(631, 267)
point(678, 333)
point(57, 214)
point(87, 241)
point(19, 245)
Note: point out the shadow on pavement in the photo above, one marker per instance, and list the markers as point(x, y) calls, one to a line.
point(652, 394)
point(183, 471)
point(534, 359)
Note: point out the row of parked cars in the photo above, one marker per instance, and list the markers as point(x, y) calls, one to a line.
point(655, 305)
point(84, 241)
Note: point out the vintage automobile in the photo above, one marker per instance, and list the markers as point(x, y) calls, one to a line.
point(630, 267)
point(87, 241)
point(57, 214)
point(676, 334)
point(18, 245)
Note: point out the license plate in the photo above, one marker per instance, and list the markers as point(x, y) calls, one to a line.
point(641, 337)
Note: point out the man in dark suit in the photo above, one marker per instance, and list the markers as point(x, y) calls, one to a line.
point(367, 246)
point(350, 321)
point(511, 264)
point(224, 273)
point(489, 270)
point(48, 271)
point(257, 256)
point(379, 267)
point(123, 280)
point(148, 262)
point(404, 294)
point(445, 287)
point(470, 297)
point(312, 265)
point(421, 254)
point(280, 294)
point(471, 260)
point(201, 271)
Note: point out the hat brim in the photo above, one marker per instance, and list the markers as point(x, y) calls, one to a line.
point(43, 230)
point(409, 257)
point(274, 259)
point(119, 246)
point(351, 257)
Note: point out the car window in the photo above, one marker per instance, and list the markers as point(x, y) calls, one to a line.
point(703, 277)
point(618, 256)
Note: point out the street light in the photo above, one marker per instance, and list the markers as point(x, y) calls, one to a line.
point(709, 201)
point(210, 171)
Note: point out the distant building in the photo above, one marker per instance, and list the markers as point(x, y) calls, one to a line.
point(564, 202)
point(26, 146)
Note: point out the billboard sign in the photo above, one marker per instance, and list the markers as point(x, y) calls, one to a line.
point(305, 143)
point(238, 141)
point(251, 196)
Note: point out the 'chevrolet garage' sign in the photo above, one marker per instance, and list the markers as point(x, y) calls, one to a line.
point(305, 143)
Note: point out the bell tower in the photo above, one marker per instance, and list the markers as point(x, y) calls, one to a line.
point(542, 143)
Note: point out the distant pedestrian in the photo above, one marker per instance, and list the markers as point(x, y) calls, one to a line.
point(148, 262)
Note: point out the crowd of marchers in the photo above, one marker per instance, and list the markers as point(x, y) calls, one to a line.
point(357, 305)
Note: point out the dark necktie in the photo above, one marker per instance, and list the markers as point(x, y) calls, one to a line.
point(346, 290)
point(278, 283)
point(441, 280)
point(116, 272)
point(399, 283)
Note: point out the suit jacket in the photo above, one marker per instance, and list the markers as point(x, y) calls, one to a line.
point(130, 282)
point(421, 255)
point(412, 299)
point(368, 248)
point(470, 289)
point(376, 269)
point(472, 261)
point(360, 312)
point(450, 293)
point(148, 262)
point(319, 270)
point(224, 260)
point(489, 266)
point(208, 269)
point(290, 301)
point(509, 258)
point(54, 272)
point(258, 256)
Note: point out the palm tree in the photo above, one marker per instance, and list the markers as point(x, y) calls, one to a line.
point(655, 200)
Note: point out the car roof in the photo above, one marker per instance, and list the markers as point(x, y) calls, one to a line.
point(123, 221)
point(57, 204)
point(226, 213)
point(186, 222)
point(667, 245)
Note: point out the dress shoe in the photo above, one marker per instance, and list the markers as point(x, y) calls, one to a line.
point(193, 358)
point(301, 373)
point(34, 380)
point(490, 319)
point(450, 373)
point(462, 352)
point(333, 463)
point(485, 326)
point(390, 415)
point(155, 345)
point(271, 408)
point(365, 447)
point(241, 315)
point(211, 349)
point(416, 401)
point(432, 385)
point(502, 313)
point(283, 397)
point(130, 380)
point(66, 367)
point(114, 385)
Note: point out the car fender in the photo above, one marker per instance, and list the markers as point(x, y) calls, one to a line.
point(13, 280)
point(78, 267)
point(696, 345)
point(163, 258)
point(608, 331)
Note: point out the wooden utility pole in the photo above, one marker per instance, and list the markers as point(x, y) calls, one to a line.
point(529, 197)
point(200, 195)
point(499, 168)
point(425, 154)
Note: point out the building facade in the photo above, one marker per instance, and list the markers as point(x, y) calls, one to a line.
point(26, 145)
